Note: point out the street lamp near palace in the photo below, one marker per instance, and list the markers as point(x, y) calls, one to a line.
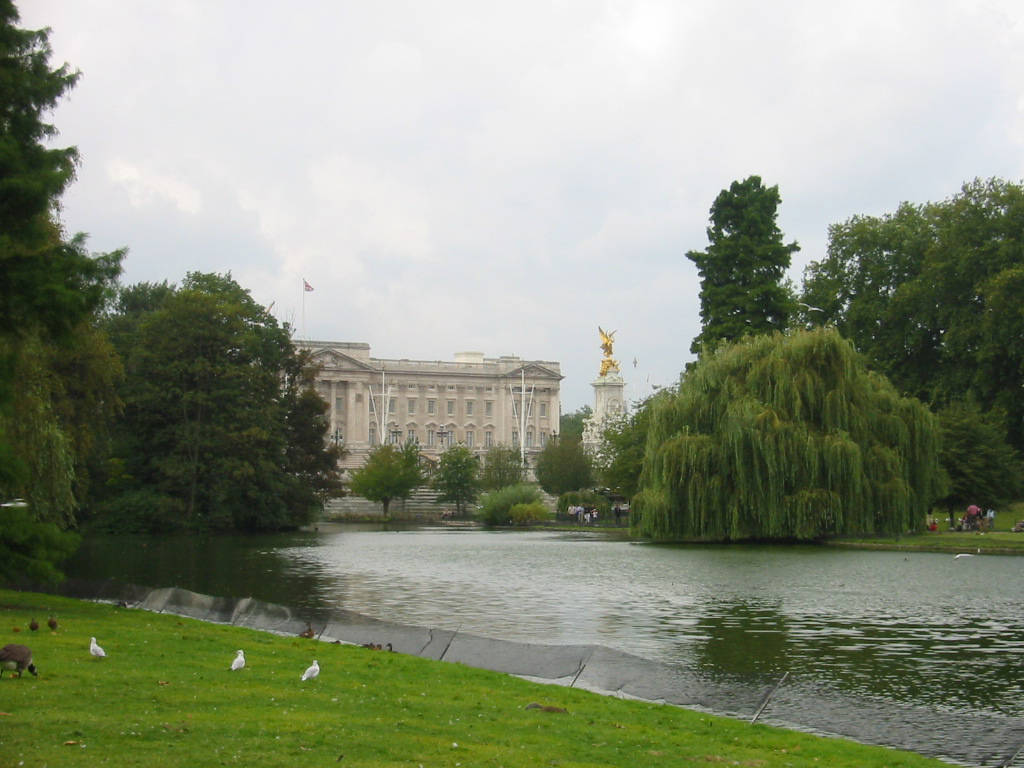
point(442, 435)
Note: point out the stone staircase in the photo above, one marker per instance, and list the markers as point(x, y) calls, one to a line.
point(421, 505)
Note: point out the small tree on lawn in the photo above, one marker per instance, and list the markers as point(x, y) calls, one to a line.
point(563, 466)
point(389, 473)
point(503, 467)
point(458, 477)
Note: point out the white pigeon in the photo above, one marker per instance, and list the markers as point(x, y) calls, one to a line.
point(95, 650)
point(312, 671)
point(239, 661)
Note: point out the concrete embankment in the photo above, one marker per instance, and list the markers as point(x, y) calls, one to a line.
point(801, 704)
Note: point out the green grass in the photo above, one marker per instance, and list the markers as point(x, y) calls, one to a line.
point(164, 696)
point(999, 541)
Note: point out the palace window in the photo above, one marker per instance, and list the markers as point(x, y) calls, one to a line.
point(431, 407)
point(430, 438)
point(488, 439)
point(412, 436)
point(412, 406)
point(469, 407)
point(469, 438)
point(543, 410)
point(529, 438)
point(373, 436)
point(488, 408)
point(451, 407)
point(391, 405)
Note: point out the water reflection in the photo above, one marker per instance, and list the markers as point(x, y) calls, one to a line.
point(921, 628)
point(743, 639)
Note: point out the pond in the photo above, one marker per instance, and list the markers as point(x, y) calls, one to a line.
point(922, 629)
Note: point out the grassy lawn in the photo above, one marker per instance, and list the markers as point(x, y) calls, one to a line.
point(165, 696)
point(999, 541)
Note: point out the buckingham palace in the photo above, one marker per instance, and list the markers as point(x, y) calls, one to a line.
point(474, 400)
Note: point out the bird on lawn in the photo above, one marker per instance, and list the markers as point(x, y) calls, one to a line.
point(52, 624)
point(312, 671)
point(95, 649)
point(239, 661)
point(33, 625)
point(16, 658)
point(308, 632)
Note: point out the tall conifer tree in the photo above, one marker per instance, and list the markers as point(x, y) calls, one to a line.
point(742, 269)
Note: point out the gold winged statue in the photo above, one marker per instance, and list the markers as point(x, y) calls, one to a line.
point(607, 363)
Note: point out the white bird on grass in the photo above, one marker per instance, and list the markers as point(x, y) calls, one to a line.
point(239, 661)
point(312, 671)
point(95, 650)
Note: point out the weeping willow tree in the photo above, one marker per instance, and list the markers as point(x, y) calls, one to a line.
point(786, 437)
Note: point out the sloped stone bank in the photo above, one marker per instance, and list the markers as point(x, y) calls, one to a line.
point(798, 704)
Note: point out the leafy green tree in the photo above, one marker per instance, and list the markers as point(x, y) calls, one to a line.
point(742, 271)
point(49, 287)
point(571, 425)
point(623, 443)
point(563, 465)
point(308, 458)
point(221, 430)
point(503, 466)
point(389, 473)
point(458, 477)
point(982, 468)
point(931, 295)
point(787, 437)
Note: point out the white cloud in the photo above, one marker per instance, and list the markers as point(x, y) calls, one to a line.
point(145, 187)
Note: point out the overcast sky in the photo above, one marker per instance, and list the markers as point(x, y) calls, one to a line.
point(505, 177)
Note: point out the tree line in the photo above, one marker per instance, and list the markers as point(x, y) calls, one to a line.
point(149, 407)
point(888, 383)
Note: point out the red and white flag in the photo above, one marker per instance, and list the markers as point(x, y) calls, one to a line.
point(306, 286)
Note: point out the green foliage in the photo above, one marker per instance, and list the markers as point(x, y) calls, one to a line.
point(570, 425)
point(525, 514)
point(496, 506)
point(503, 466)
point(623, 442)
point(585, 499)
point(786, 437)
point(49, 288)
point(31, 549)
point(389, 473)
point(742, 271)
point(931, 295)
point(458, 477)
point(563, 465)
point(982, 468)
point(221, 428)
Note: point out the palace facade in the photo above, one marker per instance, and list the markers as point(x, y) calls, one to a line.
point(474, 400)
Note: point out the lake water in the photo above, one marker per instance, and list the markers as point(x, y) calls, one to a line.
point(920, 629)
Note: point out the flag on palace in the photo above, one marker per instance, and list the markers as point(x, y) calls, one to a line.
point(306, 286)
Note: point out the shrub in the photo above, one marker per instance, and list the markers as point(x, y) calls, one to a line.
point(524, 514)
point(495, 507)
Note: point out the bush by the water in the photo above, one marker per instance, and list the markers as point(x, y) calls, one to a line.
point(524, 514)
point(496, 506)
